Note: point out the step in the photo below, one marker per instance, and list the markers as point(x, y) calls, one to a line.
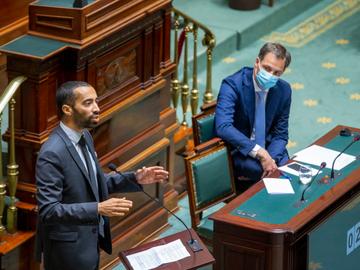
point(235, 29)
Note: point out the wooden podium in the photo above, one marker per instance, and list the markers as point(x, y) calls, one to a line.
point(196, 259)
point(244, 240)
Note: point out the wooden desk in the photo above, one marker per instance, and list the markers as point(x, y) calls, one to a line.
point(246, 242)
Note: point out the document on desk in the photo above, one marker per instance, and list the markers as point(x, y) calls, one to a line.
point(285, 168)
point(156, 256)
point(316, 154)
point(278, 186)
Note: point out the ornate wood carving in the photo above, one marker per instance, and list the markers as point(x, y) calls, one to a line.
point(116, 72)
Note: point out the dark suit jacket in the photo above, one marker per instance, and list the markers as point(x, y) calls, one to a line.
point(235, 116)
point(67, 200)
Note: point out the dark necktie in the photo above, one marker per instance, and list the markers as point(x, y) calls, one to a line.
point(90, 169)
point(260, 119)
point(88, 162)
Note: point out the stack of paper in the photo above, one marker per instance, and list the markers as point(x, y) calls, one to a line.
point(278, 186)
point(316, 154)
point(156, 256)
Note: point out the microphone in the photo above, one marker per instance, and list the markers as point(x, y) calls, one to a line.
point(322, 166)
point(193, 243)
point(80, 3)
point(354, 140)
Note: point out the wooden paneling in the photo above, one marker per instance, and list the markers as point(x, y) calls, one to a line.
point(92, 22)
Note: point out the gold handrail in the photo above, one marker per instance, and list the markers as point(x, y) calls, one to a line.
point(191, 26)
point(10, 91)
point(12, 167)
point(199, 24)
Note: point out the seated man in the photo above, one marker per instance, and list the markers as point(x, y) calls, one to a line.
point(252, 113)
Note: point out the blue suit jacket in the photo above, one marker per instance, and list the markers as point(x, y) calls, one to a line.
point(67, 232)
point(235, 115)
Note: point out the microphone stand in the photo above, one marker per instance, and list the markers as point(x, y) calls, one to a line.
point(193, 243)
point(302, 200)
point(332, 174)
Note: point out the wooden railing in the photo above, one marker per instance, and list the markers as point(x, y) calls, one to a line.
point(12, 168)
point(189, 26)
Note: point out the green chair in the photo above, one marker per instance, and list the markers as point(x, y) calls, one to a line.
point(210, 182)
point(203, 124)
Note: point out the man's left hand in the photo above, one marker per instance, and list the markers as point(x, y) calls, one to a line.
point(151, 175)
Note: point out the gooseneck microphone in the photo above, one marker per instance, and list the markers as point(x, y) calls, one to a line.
point(322, 166)
point(355, 139)
point(193, 243)
point(80, 3)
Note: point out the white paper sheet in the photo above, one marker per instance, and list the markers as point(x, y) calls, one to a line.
point(278, 186)
point(156, 256)
point(286, 169)
point(316, 154)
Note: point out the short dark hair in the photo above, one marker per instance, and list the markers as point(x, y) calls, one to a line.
point(65, 94)
point(277, 49)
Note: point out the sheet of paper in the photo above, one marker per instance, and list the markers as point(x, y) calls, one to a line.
point(278, 186)
point(316, 154)
point(156, 256)
point(286, 169)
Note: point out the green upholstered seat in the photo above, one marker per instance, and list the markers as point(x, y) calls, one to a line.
point(203, 124)
point(206, 128)
point(212, 177)
point(210, 183)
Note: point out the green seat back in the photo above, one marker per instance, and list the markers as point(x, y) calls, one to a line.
point(206, 128)
point(212, 178)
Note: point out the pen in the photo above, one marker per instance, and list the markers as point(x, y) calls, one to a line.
point(285, 175)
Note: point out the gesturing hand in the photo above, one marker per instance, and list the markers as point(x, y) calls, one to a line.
point(114, 207)
point(151, 175)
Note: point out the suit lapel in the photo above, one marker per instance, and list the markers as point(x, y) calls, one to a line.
point(249, 97)
point(74, 154)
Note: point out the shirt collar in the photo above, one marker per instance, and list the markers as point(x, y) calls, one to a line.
point(73, 135)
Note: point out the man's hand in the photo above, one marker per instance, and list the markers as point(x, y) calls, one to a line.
point(114, 207)
point(151, 175)
point(267, 163)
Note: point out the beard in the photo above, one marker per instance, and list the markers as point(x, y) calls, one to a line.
point(85, 121)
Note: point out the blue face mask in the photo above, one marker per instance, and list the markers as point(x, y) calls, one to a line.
point(265, 79)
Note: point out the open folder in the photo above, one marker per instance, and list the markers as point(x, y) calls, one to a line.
point(170, 252)
point(156, 256)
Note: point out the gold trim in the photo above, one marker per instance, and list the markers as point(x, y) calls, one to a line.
point(324, 120)
point(355, 96)
point(312, 27)
point(310, 102)
point(342, 80)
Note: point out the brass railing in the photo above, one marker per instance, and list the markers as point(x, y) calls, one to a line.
point(190, 26)
point(12, 168)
